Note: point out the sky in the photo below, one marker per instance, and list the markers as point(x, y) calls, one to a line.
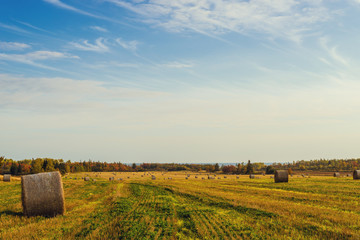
point(182, 81)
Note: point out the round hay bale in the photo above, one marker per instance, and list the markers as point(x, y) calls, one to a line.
point(153, 177)
point(252, 176)
point(86, 179)
point(281, 176)
point(7, 178)
point(186, 178)
point(196, 176)
point(271, 176)
point(42, 194)
point(237, 177)
point(336, 174)
point(219, 177)
point(356, 174)
point(225, 176)
point(111, 178)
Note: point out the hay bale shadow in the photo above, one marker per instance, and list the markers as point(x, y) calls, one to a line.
point(11, 213)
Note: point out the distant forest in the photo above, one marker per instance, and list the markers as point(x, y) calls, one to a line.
point(30, 166)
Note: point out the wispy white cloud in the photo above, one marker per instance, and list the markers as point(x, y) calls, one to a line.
point(68, 7)
point(13, 28)
point(176, 65)
point(10, 46)
point(129, 45)
point(100, 29)
point(32, 26)
point(282, 18)
point(60, 4)
point(332, 52)
point(18, 92)
point(98, 46)
point(32, 57)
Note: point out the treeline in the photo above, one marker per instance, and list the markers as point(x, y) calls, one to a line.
point(30, 166)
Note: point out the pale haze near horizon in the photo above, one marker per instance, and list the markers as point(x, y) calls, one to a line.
point(179, 81)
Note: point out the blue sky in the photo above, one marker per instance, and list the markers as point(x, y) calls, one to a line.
point(180, 81)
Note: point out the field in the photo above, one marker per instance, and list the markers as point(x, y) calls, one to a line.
point(137, 207)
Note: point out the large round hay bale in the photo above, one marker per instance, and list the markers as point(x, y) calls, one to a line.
point(86, 179)
point(7, 178)
point(42, 194)
point(153, 177)
point(356, 174)
point(252, 176)
point(336, 174)
point(281, 176)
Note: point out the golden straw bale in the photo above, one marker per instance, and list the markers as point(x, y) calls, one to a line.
point(42, 194)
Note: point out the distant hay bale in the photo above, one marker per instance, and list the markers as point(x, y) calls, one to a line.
point(128, 177)
point(237, 177)
point(7, 178)
point(271, 176)
point(42, 194)
point(196, 176)
point(111, 178)
point(252, 176)
point(170, 178)
point(336, 174)
point(225, 176)
point(186, 178)
point(153, 177)
point(281, 176)
point(219, 177)
point(86, 179)
point(356, 174)
point(203, 178)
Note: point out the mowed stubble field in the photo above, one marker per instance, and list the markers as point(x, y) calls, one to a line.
point(140, 208)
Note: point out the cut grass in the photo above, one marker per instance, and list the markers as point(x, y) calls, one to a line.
point(138, 208)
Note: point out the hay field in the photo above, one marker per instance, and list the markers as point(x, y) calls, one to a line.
point(140, 208)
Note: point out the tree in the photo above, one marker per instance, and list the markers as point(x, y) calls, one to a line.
point(216, 167)
point(36, 166)
point(134, 166)
point(249, 168)
point(49, 166)
point(229, 169)
point(14, 169)
point(270, 170)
